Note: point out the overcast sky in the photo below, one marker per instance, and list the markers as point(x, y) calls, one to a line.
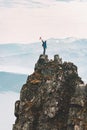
point(24, 21)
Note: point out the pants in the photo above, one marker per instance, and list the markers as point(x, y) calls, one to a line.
point(44, 51)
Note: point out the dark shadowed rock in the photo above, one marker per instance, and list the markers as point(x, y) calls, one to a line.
point(53, 98)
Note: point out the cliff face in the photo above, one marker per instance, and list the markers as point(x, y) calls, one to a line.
point(53, 98)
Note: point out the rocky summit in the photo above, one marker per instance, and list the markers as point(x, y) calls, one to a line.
point(53, 98)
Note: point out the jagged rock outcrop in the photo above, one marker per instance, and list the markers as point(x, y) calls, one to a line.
point(53, 98)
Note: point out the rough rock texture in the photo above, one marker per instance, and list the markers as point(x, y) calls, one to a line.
point(53, 98)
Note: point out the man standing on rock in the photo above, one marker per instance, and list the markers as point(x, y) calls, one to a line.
point(44, 46)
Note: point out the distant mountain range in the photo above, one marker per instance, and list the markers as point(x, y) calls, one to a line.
point(11, 81)
point(20, 59)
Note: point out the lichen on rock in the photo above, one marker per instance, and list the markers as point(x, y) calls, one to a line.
point(53, 98)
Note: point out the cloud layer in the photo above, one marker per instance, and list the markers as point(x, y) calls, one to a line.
point(25, 3)
point(25, 21)
point(7, 110)
point(32, 3)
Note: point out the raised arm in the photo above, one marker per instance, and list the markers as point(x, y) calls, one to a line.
point(41, 39)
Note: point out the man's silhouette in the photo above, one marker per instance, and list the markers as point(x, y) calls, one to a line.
point(44, 44)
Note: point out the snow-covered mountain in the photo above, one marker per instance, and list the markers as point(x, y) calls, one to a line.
point(21, 58)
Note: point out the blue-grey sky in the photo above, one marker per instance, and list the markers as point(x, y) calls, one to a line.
point(25, 21)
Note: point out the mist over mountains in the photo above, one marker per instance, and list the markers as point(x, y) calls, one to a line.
point(21, 58)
